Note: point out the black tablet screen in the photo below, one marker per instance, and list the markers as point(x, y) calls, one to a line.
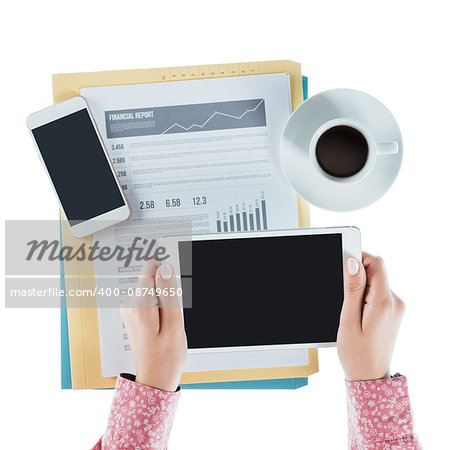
point(262, 291)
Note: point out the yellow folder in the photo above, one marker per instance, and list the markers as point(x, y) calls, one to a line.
point(82, 313)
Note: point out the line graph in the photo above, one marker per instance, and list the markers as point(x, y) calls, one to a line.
point(215, 113)
point(190, 118)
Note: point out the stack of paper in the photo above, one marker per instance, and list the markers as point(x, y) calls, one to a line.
point(216, 137)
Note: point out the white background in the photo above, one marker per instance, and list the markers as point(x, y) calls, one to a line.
point(396, 51)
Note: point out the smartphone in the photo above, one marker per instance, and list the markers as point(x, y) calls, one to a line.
point(75, 158)
point(274, 290)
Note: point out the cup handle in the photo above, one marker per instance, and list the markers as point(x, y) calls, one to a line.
point(387, 148)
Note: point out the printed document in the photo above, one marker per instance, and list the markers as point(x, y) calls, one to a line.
point(202, 151)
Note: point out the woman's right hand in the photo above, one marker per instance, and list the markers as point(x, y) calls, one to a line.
point(370, 319)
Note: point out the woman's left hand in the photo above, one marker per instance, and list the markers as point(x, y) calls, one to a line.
point(155, 328)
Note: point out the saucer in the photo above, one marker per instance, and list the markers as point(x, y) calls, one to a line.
point(310, 183)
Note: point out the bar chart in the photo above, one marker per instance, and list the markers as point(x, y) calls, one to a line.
point(247, 216)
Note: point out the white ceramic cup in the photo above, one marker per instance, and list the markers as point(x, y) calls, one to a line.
point(375, 149)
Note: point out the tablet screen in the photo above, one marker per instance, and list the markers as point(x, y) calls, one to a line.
point(263, 290)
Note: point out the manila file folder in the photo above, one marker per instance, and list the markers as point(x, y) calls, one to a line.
point(82, 318)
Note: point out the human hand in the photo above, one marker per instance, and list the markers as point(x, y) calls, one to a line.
point(155, 328)
point(370, 319)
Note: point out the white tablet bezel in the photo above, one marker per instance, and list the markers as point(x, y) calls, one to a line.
point(58, 111)
point(351, 247)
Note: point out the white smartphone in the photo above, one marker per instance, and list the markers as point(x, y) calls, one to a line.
point(77, 163)
point(276, 290)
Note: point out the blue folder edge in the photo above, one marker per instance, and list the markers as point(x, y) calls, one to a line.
point(66, 377)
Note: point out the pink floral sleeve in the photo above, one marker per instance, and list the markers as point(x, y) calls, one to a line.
point(141, 417)
point(379, 415)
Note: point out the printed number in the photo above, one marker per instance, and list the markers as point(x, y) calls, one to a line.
point(125, 187)
point(118, 160)
point(122, 173)
point(199, 200)
point(148, 204)
point(117, 147)
point(173, 202)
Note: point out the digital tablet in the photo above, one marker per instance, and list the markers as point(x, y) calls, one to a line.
point(275, 290)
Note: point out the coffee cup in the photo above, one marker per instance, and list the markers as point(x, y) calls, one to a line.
point(344, 150)
point(341, 149)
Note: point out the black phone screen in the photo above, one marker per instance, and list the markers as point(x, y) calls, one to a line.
point(78, 167)
point(262, 290)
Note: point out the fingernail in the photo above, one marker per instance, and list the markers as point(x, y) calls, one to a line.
point(352, 266)
point(165, 271)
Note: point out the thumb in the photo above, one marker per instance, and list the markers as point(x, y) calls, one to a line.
point(354, 289)
point(169, 311)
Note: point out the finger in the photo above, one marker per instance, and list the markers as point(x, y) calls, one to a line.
point(376, 271)
point(147, 276)
point(169, 307)
point(144, 296)
point(354, 289)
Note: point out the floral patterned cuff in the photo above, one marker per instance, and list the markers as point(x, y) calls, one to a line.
point(140, 417)
point(379, 410)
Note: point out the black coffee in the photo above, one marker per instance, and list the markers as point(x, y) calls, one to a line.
point(342, 151)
